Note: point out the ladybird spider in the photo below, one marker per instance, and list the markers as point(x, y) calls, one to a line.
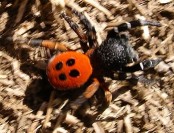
point(70, 69)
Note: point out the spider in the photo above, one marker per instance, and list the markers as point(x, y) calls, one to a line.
point(70, 69)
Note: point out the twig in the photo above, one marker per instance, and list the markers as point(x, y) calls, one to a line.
point(98, 127)
point(127, 121)
point(16, 70)
point(60, 3)
point(59, 120)
point(21, 11)
point(120, 126)
point(165, 1)
point(163, 43)
point(49, 109)
point(34, 125)
point(60, 130)
point(75, 6)
point(70, 119)
point(128, 125)
point(99, 7)
point(140, 9)
point(66, 118)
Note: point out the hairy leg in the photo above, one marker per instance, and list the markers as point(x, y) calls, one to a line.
point(144, 65)
point(89, 92)
point(78, 31)
point(91, 32)
point(133, 24)
point(39, 42)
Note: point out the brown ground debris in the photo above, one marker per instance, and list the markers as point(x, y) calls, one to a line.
point(27, 102)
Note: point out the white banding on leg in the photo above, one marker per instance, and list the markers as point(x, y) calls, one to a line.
point(128, 25)
point(142, 66)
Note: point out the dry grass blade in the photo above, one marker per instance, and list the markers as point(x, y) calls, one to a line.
point(21, 11)
point(163, 44)
point(128, 125)
point(35, 124)
point(134, 3)
point(98, 127)
point(100, 7)
point(49, 109)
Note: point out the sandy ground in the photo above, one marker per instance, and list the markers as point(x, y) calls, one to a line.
point(27, 100)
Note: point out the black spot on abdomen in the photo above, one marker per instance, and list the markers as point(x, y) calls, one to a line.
point(74, 73)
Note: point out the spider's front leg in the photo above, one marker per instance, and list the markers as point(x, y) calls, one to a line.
point(91, 32)
point(78, 31)
point(133, 24)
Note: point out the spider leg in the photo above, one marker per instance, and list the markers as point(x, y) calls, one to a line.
point(78, 31)
point(144, 65)
point(91, 32)
point(89, 92)
point(39, 42)
point(107, 93)
point(48, 44)
point(133, 24)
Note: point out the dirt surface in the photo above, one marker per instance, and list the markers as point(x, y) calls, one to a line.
point(27, 100)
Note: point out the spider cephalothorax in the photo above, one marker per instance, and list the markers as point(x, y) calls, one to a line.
point(114, 53)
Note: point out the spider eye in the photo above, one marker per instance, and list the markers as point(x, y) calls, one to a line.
point(59, 65)
point(70, 62)
point(74, 73)
point(62, 76)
